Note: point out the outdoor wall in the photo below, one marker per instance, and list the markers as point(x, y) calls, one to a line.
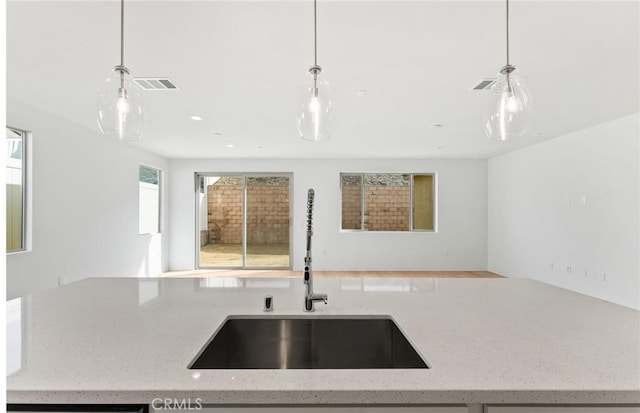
point(149, 213)
point(84, 206)
point(386, 208)
point(267, 211)
point(460, 243)
point(268, 214)
point(566, 212)
point(224, 212)
point(351, 206)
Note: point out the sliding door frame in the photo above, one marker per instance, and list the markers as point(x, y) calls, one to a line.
point(244, 176)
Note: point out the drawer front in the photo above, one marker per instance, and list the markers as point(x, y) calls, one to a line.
point(355, 409)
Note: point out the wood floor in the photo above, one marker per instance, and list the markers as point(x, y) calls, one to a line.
point(295, 274)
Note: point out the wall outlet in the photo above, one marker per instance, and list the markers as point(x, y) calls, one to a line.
point(60, 280)
point(568, 268)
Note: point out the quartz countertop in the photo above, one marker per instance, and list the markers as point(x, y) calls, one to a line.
point(130, 340)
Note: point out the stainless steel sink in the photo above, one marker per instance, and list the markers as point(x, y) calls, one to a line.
point(308, 343)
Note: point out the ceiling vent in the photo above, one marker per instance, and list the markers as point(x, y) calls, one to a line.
point(155, 83)
point(484, 84)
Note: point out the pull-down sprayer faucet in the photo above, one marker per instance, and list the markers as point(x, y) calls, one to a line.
point(309, 297)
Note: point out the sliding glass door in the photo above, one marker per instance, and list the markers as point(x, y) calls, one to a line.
point(243, 220)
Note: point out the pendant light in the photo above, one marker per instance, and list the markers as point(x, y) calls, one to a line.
point(511, 109)
point(120, 113)
point(315, 111)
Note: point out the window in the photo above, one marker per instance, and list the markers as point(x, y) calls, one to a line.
point(388, 202)
point(149, 200)
point(16, 190)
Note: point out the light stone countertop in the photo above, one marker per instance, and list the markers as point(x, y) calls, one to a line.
point(130, 340)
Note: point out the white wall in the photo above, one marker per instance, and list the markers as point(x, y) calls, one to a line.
point(571, 202)
point(85, 206)
point(461, 242)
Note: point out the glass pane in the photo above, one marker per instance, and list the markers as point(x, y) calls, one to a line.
point(268, 221)
point(15, 190)
point(423, 202)
point(149, 175)
point(351, 188)
point(220, 221)
point(149, 200)
point(386, 200)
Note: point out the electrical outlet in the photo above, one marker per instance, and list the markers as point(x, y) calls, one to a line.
point(568, 268)
point(60, 280)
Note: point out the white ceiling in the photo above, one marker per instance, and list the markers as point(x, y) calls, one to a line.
point(239, 65)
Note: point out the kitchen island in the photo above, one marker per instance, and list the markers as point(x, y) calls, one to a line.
point(486, 341)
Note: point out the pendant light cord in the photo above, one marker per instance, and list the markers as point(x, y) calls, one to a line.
point(315, 68)
point(508, 66)
point(507, 32)
point(122, 43)
point(315, 35)
point(121, 32)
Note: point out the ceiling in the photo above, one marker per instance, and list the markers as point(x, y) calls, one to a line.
point(240, 64)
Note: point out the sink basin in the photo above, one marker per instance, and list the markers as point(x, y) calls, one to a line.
point(308, 343)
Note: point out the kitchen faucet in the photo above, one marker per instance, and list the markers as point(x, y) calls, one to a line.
point(309, 297)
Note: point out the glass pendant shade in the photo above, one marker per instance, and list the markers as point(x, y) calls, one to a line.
point(315, 109)
point(120, 113)
point(510, 112)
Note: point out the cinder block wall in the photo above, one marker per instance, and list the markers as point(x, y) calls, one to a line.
point(267, 212)
point(351, 207)
point(386, 208)
point(224, 212)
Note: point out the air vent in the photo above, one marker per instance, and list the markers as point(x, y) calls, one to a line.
point(155, 83)
point(484, 84)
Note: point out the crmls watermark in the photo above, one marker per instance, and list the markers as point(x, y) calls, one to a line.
point(176, 404)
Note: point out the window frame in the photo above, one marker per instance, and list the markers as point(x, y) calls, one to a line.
point(244, 175)
point(434, 189)
point(160, 198)
point(26, 188)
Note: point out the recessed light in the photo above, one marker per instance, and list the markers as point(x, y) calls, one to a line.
point(260, 147)
point(194, 117)
point(439, 147)
point(230, 146)
point(436, 125)
point(361, 92)
point(217, 133)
